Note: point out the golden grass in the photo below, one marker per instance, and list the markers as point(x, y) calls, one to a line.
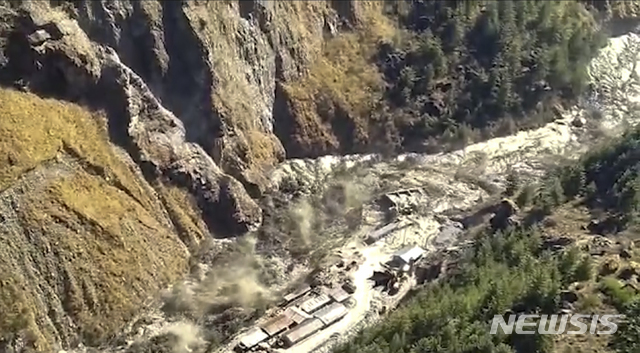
point(115, 244)
point(185, 214)
point(34, 130)
point(263, 147)
point(109, 245)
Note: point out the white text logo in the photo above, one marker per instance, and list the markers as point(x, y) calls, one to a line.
point(556, 324)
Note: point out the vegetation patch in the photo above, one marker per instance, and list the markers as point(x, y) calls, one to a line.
point(99, 238)
point(423, 76)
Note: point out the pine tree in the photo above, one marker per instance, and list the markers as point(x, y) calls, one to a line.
point(513, 184)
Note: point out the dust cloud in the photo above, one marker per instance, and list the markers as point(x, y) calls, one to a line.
point(303, 217)
point(235, 282)
point(187, 337)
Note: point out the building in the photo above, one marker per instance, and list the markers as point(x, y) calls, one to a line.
point(407, 256)
point(277, 325)
point(297, 293)
point(332, 313)
point(338, 294)
point(301, 332)
point(298, 316)
point(314, 303)
point(252, 338)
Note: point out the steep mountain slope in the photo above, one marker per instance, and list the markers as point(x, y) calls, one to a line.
point(85, 239)
point(187, 104)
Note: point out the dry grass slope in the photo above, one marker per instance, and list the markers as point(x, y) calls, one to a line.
point(96, 236)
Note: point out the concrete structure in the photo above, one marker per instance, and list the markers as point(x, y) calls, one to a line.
point(252, 338)
point(407, 256)
point(332, 313)
point(301, 332)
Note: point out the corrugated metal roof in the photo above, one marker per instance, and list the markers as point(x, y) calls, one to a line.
point(277, 324)
point(331, 313)
point(254, 336)
point(409, 254)
point(312, 304)
point(297, 315)
point(303, 331)
point(338, 294)
point(297, 293)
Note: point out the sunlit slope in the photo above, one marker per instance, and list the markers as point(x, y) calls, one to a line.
point(84, 240)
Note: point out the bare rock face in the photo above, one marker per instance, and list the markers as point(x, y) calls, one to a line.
point(195, 91)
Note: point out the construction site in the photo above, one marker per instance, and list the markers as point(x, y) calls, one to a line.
point(369, 270)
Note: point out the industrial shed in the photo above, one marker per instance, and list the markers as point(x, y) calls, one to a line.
point(338, 294)
point(297, 315)
point(332, 313)
point(314, 303)
point(277, 325)
point(297, 293)
point(301, 332)
point(407, 256)
point(252, 338)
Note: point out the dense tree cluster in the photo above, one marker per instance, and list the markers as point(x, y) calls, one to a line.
point(607, 178)
point(466, 68)
point(503, 271)
point(510, 271)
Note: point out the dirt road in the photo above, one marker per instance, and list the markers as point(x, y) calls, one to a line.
point(363, 296)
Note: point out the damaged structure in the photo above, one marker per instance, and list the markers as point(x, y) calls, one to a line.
point(406, 256)
point(398, 270)
point(404, 201)
point(382, 232)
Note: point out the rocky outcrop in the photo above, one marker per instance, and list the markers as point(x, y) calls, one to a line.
point(245, 78)
point(44, 50)
point(198, 93)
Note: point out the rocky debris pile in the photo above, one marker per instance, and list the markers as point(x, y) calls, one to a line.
point(338, 271)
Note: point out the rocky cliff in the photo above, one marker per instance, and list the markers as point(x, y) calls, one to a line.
point(132, 130)
point(142, 128)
